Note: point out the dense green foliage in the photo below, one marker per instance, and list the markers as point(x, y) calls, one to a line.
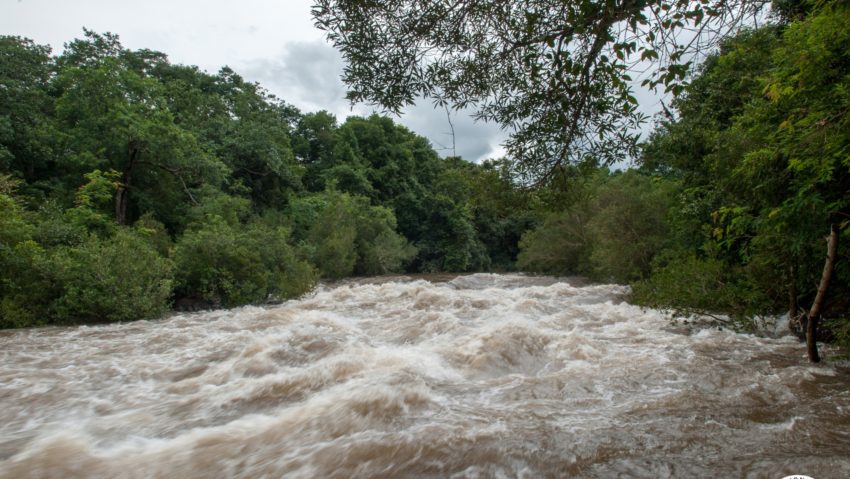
point(129, 184)
point(76, 269)
point(727, 214)
point(231, 264)
point(611, 229)
point(345, 235)
point(762, 147)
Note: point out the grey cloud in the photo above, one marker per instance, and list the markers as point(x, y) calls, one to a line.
point(474, 141)
point(307, 75)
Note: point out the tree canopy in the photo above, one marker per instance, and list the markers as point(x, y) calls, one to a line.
point(558, 75)
point(762, 149)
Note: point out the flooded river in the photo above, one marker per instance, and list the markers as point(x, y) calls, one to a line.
point(476, 377)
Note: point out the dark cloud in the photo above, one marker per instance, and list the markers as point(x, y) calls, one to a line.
point(307, 74)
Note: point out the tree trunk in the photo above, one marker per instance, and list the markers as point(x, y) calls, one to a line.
point(121, 202)
point(793, 305)
point(814, 313)
point(123, 194)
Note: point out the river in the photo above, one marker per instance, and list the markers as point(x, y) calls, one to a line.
point(479, 376)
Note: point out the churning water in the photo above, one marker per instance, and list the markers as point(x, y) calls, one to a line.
point(480, 376)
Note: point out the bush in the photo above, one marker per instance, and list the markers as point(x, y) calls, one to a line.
point(449, 241)
point(333, 236)
point(233, 265)
point(380, 250)
point(23, 292)
point(611, 234)
point(561, 245)
point(345, 235)
point(117, 279)
point(628, 226)
point(54, 271)
point(687, 284)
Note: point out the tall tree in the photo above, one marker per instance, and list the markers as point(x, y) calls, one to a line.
point(28, 138)
point(255, 140)
point(118, 119)
point(800, 129)
point(762, 147)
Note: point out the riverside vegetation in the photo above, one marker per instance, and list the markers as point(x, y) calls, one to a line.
point(130, 184)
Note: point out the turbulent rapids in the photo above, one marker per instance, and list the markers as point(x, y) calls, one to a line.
point(479, 376)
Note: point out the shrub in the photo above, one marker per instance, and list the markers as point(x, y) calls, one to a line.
point(345, 235)
point(229, 265)
point(333, 236)
point(561, 245)
point(611, 233)
point(25, 291)
point(628, 226)
point(117, 279)
point(687, 284)
point(380, 249)
point(22, 289)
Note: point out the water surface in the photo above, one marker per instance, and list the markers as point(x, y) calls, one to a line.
point(477, 376)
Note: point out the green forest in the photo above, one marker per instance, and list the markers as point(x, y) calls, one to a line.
point(130, 186)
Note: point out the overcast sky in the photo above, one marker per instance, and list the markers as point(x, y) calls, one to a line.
point(272, 42)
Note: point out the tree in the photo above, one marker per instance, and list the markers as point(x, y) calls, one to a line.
point(378, 159)
point(313, 143)
point(208, 169)
point(122, 278)
point(762, 148)
point(118, 118)
point(27, 131)
point(501, 211)
point(610, 228)
point(253, 140)
point(629, 225)
point(221, 264)
point(555, 73)
point(800, 127)
point(346, 235)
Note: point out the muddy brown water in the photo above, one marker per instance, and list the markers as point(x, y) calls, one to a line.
point(467, 377)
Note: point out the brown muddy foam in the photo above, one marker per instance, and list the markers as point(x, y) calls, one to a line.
point(476, 376)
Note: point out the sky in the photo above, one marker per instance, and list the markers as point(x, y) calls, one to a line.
point(272, 42)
